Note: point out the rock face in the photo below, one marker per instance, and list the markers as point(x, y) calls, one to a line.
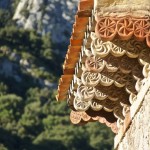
point(138, 135)
point(47, 16)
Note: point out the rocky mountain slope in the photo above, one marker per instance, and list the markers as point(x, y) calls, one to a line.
point(47, 16)
point(30, 66)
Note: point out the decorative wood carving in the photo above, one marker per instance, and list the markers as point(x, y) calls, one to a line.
point(100, 48)
point(125, 27)
point(90, 78)
point(109, 72)
point(81, 104)
point(106, 28)
point(86, 93)
point(94, 64)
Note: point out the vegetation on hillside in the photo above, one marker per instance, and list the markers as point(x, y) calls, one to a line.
point(30, 117)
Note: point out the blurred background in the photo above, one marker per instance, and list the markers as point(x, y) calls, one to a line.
point(34, 36)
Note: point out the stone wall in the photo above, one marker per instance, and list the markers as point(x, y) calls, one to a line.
point(137, 136)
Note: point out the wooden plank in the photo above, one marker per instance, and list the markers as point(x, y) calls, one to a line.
point(85, 5)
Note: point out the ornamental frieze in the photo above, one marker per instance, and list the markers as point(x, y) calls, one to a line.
point(132, 48)
point(107, 28)
point(110, 64)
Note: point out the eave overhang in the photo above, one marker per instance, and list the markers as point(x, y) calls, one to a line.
point(107, 61)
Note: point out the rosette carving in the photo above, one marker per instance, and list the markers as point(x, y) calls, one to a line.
point(111, 68)
point(96, 106)
point(90, 79)
point(80, 104)
point(117, 51)
point(85, 93)
point(94, 64)
point(125, 28)
point(142, 27)
point(99, 95)
point(106, 28)
point(100, 48)
point(105, 81)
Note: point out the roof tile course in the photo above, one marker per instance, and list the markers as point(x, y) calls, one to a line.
point(104, 76)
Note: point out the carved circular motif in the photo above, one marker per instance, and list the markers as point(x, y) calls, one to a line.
point(117, 51)
point(142, 27)
point(90, 79)
point(125, 28)
point(106, 28)
point(85, 93)
point(105, 81)
point(80, 104)
point(94, 64)
point(100, 48)
point(96, 106)
point(99, 95)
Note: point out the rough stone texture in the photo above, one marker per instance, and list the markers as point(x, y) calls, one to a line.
point(47, 16)
point(138, 135)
